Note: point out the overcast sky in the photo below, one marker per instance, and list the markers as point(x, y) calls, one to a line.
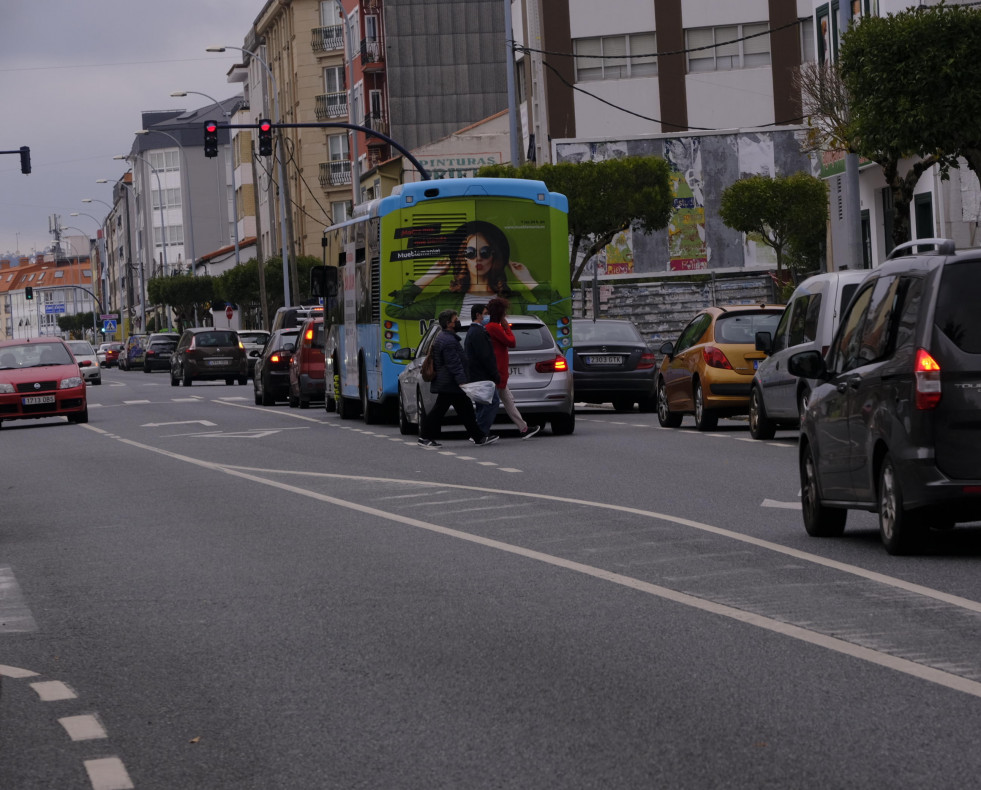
point(75, 76)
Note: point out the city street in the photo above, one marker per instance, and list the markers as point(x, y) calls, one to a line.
point(201, 593)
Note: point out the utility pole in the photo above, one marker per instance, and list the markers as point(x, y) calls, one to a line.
point(851, 224)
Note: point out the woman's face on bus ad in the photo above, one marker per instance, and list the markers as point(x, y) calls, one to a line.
point(479, 256)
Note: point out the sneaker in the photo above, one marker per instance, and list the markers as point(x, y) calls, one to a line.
point(532, 430)
point(428, 443)
point(489, 439)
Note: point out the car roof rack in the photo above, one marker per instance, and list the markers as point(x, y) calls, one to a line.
point(943, 246)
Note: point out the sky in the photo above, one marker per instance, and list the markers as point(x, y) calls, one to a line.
point(75, 76)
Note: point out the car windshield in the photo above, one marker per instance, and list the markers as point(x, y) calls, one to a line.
point(742, 327)
point(216, 338)
point(605, 331)
point(33, 355)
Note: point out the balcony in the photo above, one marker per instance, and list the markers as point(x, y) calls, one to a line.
point(330, 105)
point(328, 39)
point(335, 173)
point(372, 54)
point(376, 121)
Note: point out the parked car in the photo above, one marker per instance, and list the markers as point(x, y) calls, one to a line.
point(307, 365)
point(159, 349)
point(252, 340)
point(88, 361)
point(709, 370)
point(893, 424)
point(612, 363)
point(131, 355)
point(539, 379)
point(271, 380)
point(205, 354)
point(40, 378)
point(108, 354)
point(813, 312)
point(292, 317)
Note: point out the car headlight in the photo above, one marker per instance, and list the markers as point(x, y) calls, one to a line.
point(71, 381)
point(6, 386)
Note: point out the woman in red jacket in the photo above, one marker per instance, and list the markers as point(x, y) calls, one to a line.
point(502, 338)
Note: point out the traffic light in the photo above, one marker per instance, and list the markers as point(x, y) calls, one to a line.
point(28, 292)
point(211, 138)
point(265, 137)
point(25, 159)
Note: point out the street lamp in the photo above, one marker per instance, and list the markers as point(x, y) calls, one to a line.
point(185, 176)
point(163, 226)
point(96, 200)
point(179, 94)
point(282, 167)
point(103, 262)
point(129, 245)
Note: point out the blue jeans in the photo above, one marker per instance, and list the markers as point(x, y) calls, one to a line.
point(486, 412)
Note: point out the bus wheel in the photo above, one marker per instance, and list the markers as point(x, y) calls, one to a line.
point(345, 408)
point(370, 411)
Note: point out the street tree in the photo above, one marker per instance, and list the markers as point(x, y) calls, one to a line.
point(185, 293)
point(605, 198)
point(787, 213)
point(912, 82)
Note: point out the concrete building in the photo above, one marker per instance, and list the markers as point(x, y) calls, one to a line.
point(61, 285)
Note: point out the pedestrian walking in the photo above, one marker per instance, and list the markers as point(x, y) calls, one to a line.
point(482, 364)
point(502, 339)
point(451, 372)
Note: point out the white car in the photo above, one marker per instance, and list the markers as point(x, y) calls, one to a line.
point(253, 340)
point(88, 360)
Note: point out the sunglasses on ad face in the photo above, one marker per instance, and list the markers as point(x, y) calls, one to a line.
point(472, 252)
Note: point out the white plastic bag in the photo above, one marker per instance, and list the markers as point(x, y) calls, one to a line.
point(479, 391)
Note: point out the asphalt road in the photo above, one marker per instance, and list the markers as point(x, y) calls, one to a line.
point(196, 592)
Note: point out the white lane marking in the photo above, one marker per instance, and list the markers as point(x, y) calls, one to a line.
point(796, 632)
point(508, 469)
point(16, 672)
point(775, 503)
point(15, 616)
point(53, 690)
point(205, 423)
point(108, 773)
point(134, 402)
point(487, 463)
point(83, 728)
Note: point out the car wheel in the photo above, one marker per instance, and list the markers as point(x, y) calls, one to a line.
point(80, 416)
point(704, 419)
point(98, 381)
point(267, 399)
point(901, 530)
point(186, 378)
point(292, 400)
point(665, 416)
point(406, 428)
point(174, 381)
point(759, 426)
point(623, 404)
point(563, 424)
point(146, 368)
point(647, 404)
point(243, 380)
point(820, 521)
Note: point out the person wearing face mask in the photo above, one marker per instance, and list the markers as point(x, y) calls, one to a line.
point(482, 364)
point(451, 372)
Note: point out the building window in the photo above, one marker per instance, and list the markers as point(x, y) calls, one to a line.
point(615, 57)
point(175, 236)
point(808, 50)
point(727, 47)
point(340, 211)
point(162, 161)
point(172, 198)
point(337, 145)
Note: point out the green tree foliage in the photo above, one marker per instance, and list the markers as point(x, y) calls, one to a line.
point(787, 213)
point(240, 285)
point(78, 324)
point(184, 293)
point(605, 198)
point(912, 80)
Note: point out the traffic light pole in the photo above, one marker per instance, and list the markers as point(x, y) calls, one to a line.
point(25, 158)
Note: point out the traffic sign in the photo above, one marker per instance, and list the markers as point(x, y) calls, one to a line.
point(50, 309)
point(229, 312)
point(109, 317)
point(109, 327)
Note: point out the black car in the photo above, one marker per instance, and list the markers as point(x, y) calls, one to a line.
point(612, 363)
point(893, 424)
point(205, 354)
point(158, 351)
point(271, 378)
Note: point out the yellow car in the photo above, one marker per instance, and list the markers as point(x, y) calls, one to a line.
point(709, 370)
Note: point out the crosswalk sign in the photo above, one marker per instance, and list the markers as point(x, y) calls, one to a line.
point(109, 327)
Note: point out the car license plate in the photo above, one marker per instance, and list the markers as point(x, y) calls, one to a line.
point(34, 400)
point(515, 370)
point(217, 362)
point(604, 359)
point(165, 355)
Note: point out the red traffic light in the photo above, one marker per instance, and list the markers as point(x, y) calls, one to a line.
point(265, 126)
point(211, 127)
point(265, 137)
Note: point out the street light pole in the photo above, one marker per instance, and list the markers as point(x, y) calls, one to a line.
point(185, 177)
point(178, 94)
point(282, 168)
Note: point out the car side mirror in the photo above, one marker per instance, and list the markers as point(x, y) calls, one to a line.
point(667, 349)
point(404, 353)
point(807, 365)
point(764, 342)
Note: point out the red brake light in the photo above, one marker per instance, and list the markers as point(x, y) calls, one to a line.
point(646, 361)
point(556, 365)
point(927, 374)
point(274, 358)
point(714, 358)
point(309, 334)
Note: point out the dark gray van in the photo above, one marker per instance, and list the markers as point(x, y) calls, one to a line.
point(893, 424)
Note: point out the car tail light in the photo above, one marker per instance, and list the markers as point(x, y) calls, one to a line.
point(556, 365)
point(275, 359)
point(646, 361)
point(193, 345)
point(927, 374)
point(309, 334)
point(150, 353)
point(714, 358)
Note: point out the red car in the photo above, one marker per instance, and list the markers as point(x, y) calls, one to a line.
point(108, 354)
point(39, 377)
point(307, 365)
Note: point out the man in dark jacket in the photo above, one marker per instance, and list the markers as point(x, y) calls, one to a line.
point(451, 372)
point(482, 364)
